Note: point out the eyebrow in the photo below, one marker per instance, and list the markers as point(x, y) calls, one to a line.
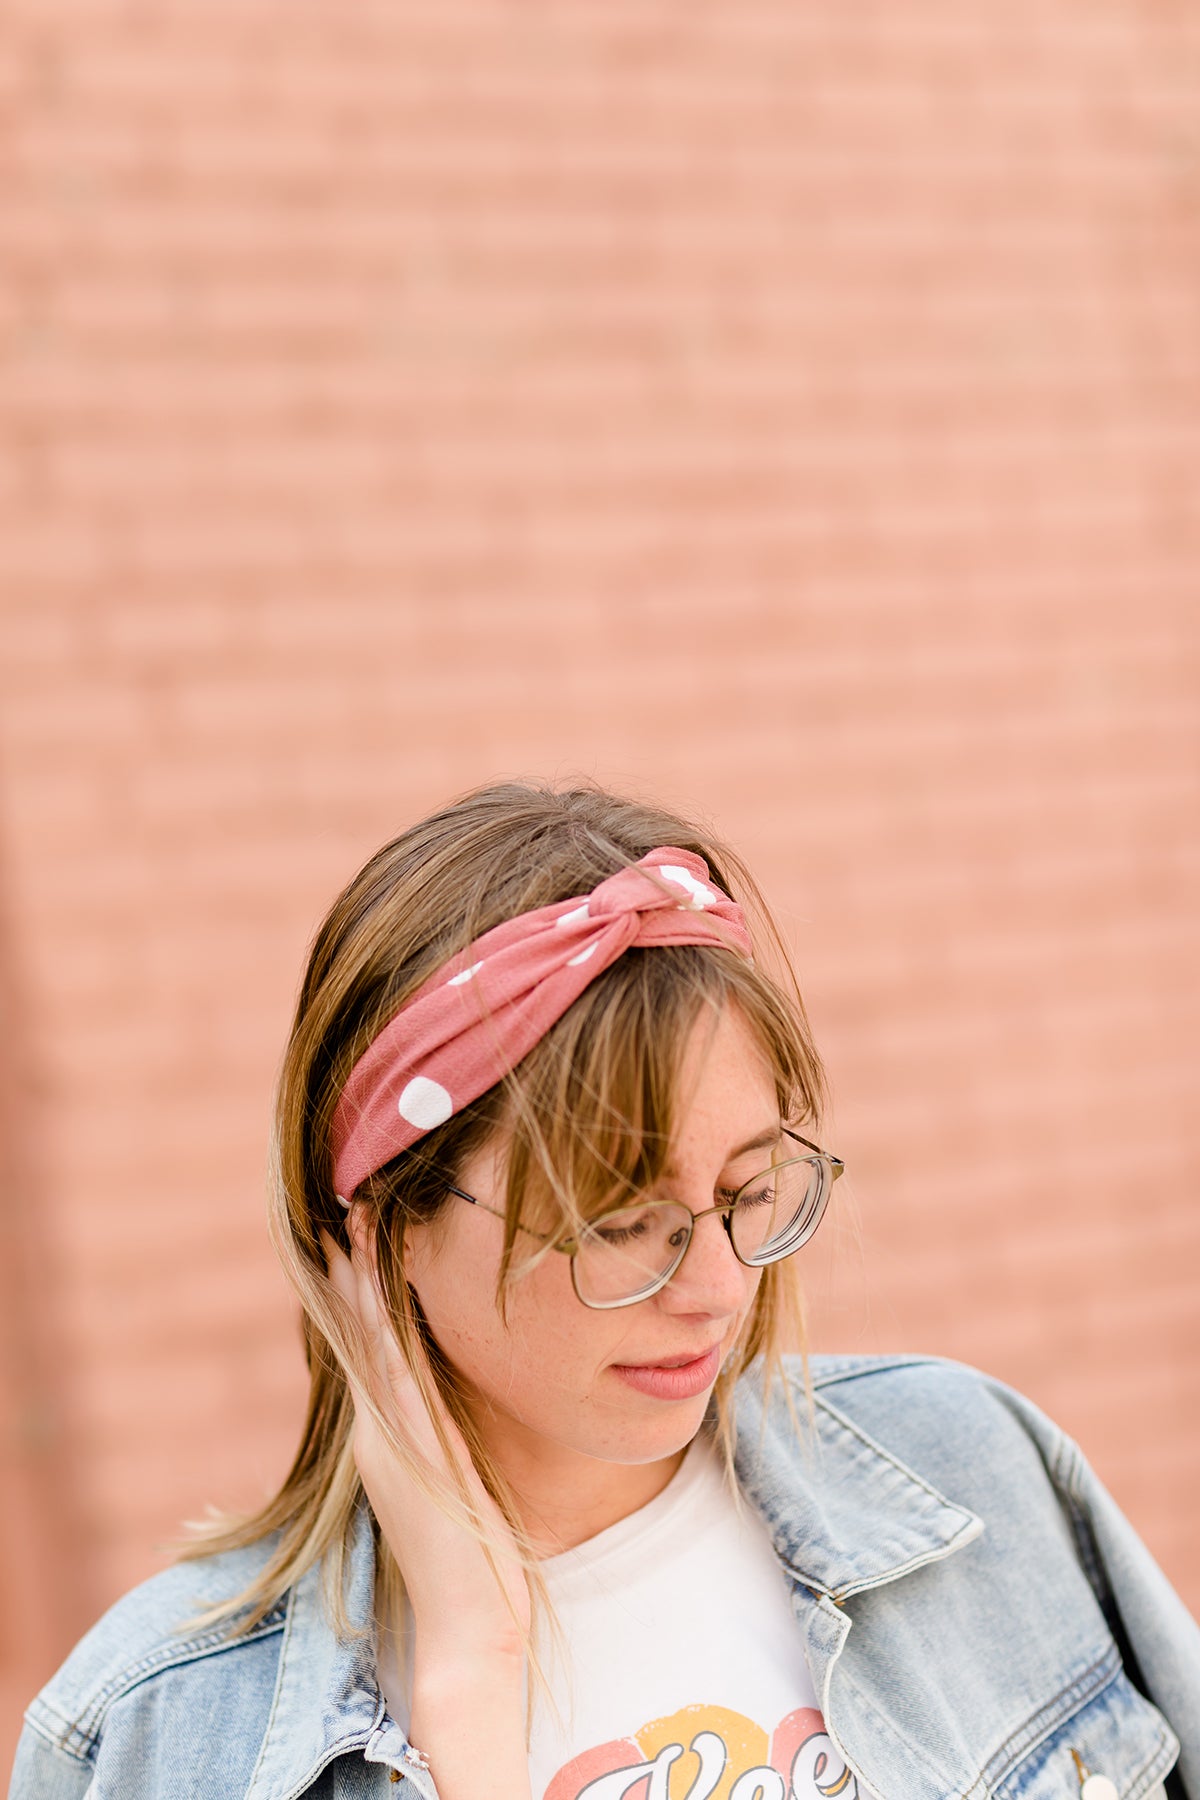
point(770, 1134)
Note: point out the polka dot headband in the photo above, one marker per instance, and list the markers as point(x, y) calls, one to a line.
point(473, 1021)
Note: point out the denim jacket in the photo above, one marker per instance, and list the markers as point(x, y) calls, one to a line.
point(979, 1620)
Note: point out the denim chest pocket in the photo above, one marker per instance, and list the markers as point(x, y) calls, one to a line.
point(1116, 1746)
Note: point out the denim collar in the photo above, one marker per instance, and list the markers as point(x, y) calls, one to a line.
point(844, 1515)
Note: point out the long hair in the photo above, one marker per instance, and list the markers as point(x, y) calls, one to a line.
point(588, 1117)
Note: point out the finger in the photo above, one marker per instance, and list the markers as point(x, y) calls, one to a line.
point(371, 1306)
point(394, 1388)
point(358, 1230)
point(356, 1288)
point(354, 1278)
point(338, 1264)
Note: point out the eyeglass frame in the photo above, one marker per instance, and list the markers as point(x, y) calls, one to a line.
point(571, 1246)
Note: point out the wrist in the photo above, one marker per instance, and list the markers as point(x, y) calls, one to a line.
point(468, 1716)
point(445, 1680)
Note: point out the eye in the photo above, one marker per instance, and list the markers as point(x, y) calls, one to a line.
point(624, 1230)
point(761, 1193)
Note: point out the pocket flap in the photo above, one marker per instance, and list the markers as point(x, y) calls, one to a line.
point(1116, 1734)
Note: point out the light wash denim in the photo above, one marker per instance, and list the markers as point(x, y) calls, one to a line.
point(974, 1608)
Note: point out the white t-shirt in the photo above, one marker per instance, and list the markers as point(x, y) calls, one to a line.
point(686, 1663)
point(681, 1673)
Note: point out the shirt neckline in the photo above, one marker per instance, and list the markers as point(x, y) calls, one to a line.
point(699, 1467)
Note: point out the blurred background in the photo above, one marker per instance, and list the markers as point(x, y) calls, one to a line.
point(788, 412)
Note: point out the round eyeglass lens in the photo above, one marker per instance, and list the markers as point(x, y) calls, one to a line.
point(628, 1253)
point(631, 1252)
point(779, 1210)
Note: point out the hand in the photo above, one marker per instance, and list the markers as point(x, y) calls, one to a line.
point(471, 1614)
point(447, 1576)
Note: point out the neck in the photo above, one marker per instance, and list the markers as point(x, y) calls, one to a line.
point(566, 1498)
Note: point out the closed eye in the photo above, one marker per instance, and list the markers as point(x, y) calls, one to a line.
point(746, 1199)
point(618, 1234)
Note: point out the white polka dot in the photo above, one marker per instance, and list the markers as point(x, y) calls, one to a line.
point(578, 912)
point(588, 950)
point(699, 895)
point(464, 975)
point(425, 1103)
point(341, 1200)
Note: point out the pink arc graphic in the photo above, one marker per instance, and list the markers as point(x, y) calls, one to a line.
point(710, 1753)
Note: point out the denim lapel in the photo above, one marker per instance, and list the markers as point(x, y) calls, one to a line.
point(844, 1513)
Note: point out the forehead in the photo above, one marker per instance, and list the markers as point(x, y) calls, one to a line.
point(727, 1094)
point(633, 1097)
point(760, 1145)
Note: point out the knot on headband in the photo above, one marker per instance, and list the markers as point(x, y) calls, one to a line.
point(477, 1016)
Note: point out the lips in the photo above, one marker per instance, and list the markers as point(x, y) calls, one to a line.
point(675, 1377)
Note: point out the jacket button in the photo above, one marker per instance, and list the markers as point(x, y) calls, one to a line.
point(1098, 1787)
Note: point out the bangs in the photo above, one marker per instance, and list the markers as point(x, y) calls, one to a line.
point(591, 1111)
point(587, 1120)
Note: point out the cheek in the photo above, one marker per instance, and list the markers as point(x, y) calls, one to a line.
point(456, 1291)
point(547, 1337)
point(459, 1299)
point(546, 1351)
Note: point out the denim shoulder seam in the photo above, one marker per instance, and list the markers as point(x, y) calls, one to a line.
point(53, 1738)
point(80, 1735)
point(840, 1369)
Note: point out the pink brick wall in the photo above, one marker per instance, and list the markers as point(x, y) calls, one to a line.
point(788, 411)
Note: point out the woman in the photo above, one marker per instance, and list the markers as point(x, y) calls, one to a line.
point(563, 1524)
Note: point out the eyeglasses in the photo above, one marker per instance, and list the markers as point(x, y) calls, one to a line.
point(630, 1253)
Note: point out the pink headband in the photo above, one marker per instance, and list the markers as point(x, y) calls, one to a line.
point(473, 1021)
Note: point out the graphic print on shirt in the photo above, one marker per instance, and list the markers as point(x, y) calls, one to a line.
point(712, 1753)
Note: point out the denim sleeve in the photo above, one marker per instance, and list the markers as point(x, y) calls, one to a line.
point(43, 1771)
point(1159, 1633)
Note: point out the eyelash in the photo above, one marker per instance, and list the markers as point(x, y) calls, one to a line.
point(731, 1194)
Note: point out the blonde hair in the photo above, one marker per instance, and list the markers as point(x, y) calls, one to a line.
point(588, 1116)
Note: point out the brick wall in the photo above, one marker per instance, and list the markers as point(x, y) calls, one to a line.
point(791, 412)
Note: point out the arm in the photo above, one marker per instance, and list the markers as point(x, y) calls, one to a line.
point(1160, 1637)
point(43, 1772)
point(471, 1620)
point(1157, 1634)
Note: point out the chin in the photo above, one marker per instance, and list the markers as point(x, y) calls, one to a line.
point(665, 1436)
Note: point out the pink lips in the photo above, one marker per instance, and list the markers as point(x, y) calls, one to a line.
point(683, 1382)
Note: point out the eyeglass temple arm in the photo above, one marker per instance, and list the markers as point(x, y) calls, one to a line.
point(838, 1166)
point(495, 1211)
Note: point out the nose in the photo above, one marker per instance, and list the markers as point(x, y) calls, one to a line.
point(710, 1280)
